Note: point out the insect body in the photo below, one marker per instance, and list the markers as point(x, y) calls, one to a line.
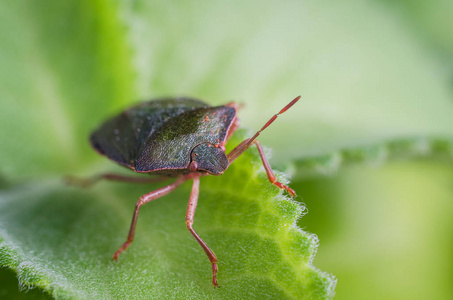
point(179, 137)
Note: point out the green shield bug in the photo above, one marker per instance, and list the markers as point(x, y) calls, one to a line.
point(181, 138)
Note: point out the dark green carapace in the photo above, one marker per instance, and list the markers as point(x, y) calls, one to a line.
point(176, 137)
point(159, 136)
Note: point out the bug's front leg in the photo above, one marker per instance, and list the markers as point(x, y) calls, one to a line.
point(270, 174)
point(192, 206)
point(143, 200)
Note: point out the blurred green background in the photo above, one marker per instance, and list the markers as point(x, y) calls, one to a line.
point(369, 146)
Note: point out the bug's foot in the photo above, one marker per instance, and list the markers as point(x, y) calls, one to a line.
point(118, 252)
point(290, 191)
point(214, 274)
point(286, 188)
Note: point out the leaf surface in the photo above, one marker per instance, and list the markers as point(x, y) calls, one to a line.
point(61, 239)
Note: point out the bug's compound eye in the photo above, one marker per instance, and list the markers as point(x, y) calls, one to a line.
point(209, 158)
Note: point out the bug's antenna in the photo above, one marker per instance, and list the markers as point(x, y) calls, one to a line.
point(245, 144)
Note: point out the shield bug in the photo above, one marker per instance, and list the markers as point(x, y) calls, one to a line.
point(181, 138)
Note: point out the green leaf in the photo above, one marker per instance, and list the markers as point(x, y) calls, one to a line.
point(433, 20)
point(61, 239)
point(329, 164)
point(63, 62)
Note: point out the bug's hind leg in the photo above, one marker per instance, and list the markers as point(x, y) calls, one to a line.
point(87, 182)
point(192, 206)
point(143, 200)
point(270, 174)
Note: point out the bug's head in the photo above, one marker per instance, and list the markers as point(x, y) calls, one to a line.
point(208, 158)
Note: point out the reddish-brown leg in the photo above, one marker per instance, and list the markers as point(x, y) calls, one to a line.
point(269, 172)
point(192, 206)
point(143, 200)
point(267, 167)
point(87, 182)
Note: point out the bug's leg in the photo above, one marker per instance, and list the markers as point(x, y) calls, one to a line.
point(87, 182)
point(143, 200)
point(270, 174)
point(267, 167)
point(192, 206)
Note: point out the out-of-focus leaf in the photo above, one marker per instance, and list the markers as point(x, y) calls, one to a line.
point(385, 232)
point(433, 20)
point(63, 62)
point(66, 66)
point(365, 77)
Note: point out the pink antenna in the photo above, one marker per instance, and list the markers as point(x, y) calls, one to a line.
point(246, 144)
